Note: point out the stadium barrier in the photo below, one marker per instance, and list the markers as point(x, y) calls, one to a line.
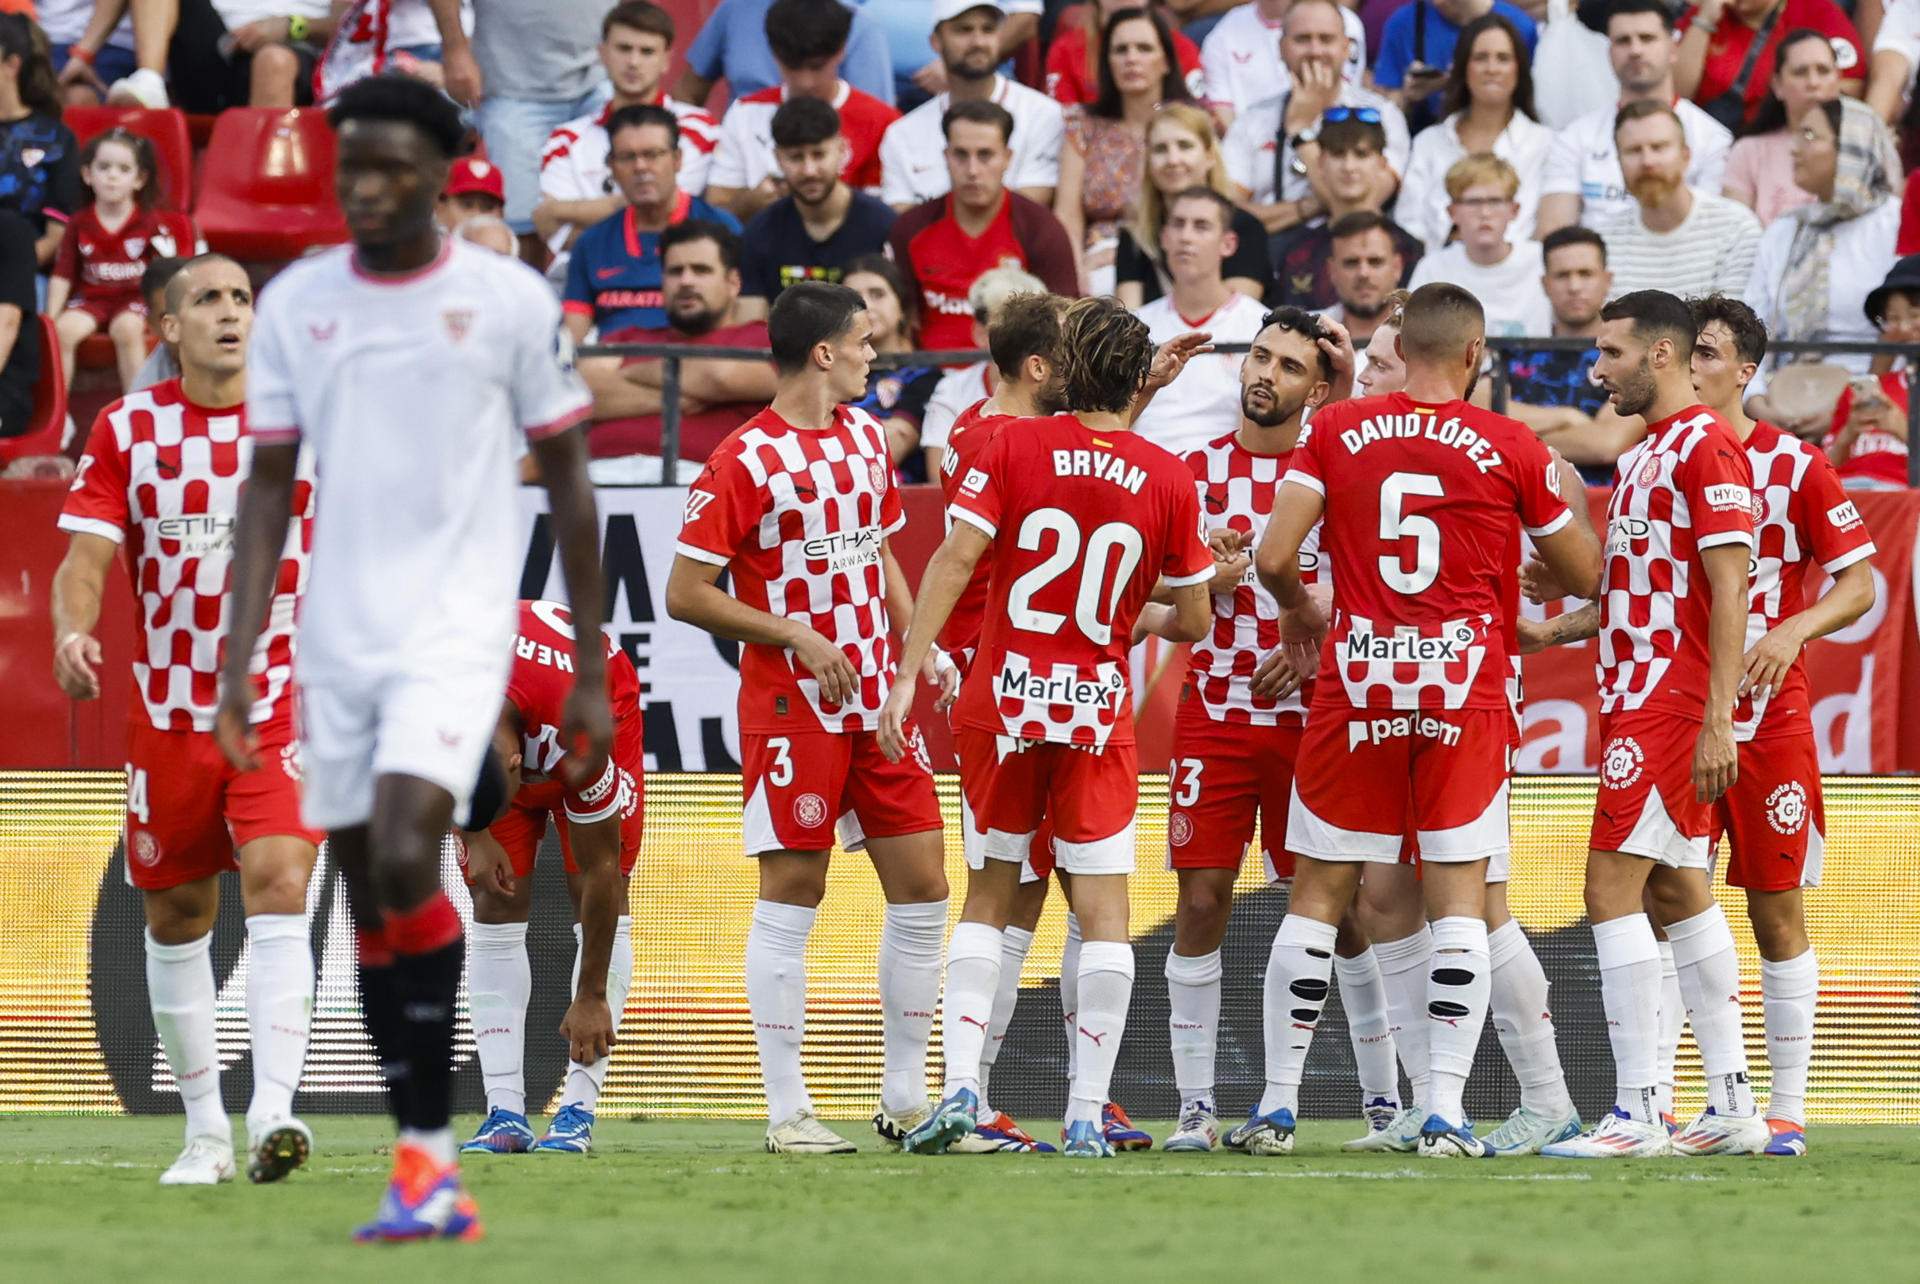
point(75, 1034)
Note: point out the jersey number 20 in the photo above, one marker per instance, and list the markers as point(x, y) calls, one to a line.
point(1093, 615)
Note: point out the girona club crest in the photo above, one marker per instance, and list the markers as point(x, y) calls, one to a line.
point(810, 811)
point(1650, 471)
point(1179, 829)
point(1787, 808)
point(146, 849)
point(1623, 763)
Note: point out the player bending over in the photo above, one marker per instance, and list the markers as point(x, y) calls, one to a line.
point(797, 505)
point(1045, 716)
point(161, 476)
point(599, 822)
point(1421, 493)
point(419, 370)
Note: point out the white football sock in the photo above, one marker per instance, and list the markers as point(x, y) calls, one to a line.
point(1193, 1023)
point(1106, 991)
point(973, 982)
point(1673, 1024)
point(499, 983)
point(1518, 1005)
point(1457, 988)
point(1403, 976)
point(1364, 997)
point(1070, 991)
point(1788, 992)
point(584, 1082)
point(1292, 998)
point(181, 993)
point(777, 999)
point(911, 937)
point(1015, 942)
point(279, 1010)
point(1629, 960)
point(1710, 984)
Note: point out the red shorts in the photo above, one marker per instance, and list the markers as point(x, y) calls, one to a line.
point(1088, 798)
point(1365, 779)
point(1039, 862)
point(103, 311)
point(1646, 805)
point(801, 785)
point(520, 831)
point(1223, 775)
point(189, 812)
point(1773, 816)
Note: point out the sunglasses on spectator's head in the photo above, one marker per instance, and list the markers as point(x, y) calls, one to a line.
point(1365, 115)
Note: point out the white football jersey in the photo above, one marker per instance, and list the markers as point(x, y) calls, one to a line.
point(417, 395)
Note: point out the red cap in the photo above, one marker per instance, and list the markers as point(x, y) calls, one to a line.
point(471, 174)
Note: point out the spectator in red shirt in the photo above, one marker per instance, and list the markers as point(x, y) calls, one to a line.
point(1867, 440)
point(1073, 67)
point(701, 284)
point(1715, 35)
point(96, 275)
point(945, 244)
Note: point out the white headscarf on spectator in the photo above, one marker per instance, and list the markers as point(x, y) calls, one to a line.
point(1861, 182)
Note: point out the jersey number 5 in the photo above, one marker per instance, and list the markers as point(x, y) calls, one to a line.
point(1396, 525)
point(1093, 616)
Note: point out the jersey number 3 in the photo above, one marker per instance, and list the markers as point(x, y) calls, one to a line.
point(1115, 541)
point(1397, 526)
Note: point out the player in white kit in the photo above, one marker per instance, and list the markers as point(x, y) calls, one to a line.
point(418, 371)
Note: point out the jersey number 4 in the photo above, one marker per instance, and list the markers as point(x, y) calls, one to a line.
point(1112, 542)
point(1397, 526)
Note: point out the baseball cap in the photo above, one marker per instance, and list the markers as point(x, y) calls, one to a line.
point(471, 174)
point(947, 10)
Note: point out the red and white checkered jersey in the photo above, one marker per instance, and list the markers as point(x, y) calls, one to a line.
point(1422, 501)
point(1236, 487)
point(573, 164)
point(972, 431)
point(1083, 525)
point(744, 156)
point(1686, 487)
point(538, 686)
point(798, 516)
point(162, 476)
point(1802, 517)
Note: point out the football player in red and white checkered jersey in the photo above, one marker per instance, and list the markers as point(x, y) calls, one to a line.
point(797, 506)
point(1772, 815)
point(161, 478)
point(1672, 621)
point(1045, 716)
point(599, 823)
point(1421, 494)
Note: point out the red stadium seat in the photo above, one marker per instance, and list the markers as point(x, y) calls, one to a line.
point(266, 192)
point(49, 404)
point(168, 131)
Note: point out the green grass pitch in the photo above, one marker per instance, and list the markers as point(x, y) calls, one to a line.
point(679, 1201)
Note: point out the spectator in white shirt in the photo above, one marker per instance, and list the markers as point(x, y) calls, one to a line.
point(1271, 144)
point(913, 165)
point(1240, 58)
point(1489, 108)
point(1818, 263)
point(1583, 182)
point(1896, 57)
point(1204, 401)
point(1505, 277)
point(1673, 237)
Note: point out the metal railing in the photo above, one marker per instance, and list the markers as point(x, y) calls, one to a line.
point(672, 354)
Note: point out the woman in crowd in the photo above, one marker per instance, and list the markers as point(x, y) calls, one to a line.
point(1489, 108)
point(896, 395)
point(1073, 63)
point(1183, 152)
point(1760, 166)
point(1867, 438)
point(39, 162)
point(1100, 167)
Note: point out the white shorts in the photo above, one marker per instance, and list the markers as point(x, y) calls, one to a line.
point(973, 846)
point(436, 726)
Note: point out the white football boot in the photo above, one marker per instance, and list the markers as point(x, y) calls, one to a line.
point(1718, 1134)
point(1616, 1136)
point(275, 1147)
point(1526, 1131)
point(206, 1161)
point(802, 1134)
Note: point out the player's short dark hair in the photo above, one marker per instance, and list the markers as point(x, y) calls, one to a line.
point(1641, 109)
point(639, 15)
point(1027, 325)
point(1655, 315)
point(1305, 324)
point(804, 31)
point(980, 112)
point(703, 229)
point(639, 116)
point(1748, 330)
point(1105, 353)
point(1657, 8)
point(1358, 222)
point(395, 96)
point(806, 314)
point(1344, 137)
point(176, 286)
point(1573, 234)
point(158, 273)
point(1440, 321)
point(804, 122)
point(1201, 192)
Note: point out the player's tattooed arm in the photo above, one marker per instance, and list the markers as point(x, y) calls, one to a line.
point(1572, 626)
point(77, 589)
point(694, 596)
point(259, 536)
point(562, 459)
point(944, 580)
point(588, 1024)
point(1849, 597)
